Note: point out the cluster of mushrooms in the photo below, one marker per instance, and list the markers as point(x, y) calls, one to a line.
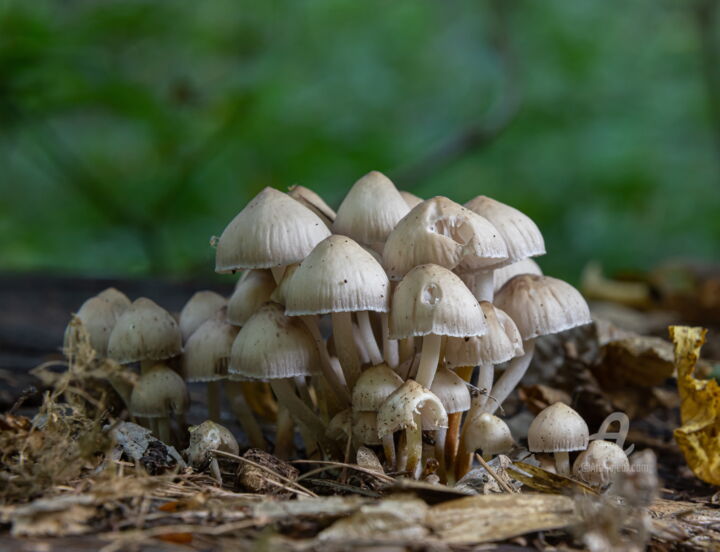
point(368, 324)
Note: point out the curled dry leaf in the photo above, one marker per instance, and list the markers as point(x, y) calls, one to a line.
point(699, 434)
point(538, 397)
point(640, 361)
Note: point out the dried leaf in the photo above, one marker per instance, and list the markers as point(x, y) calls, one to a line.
point(699, 435)
point(547, 482)
point(58, 516)
point(641, 361)
point(539, 396)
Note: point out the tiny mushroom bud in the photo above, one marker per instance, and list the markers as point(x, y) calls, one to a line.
point(599, 463)
point(488, 433)
point(118, 299)
point(558, 429)
point(206, 438)
point(98, 316)
point(200, 307)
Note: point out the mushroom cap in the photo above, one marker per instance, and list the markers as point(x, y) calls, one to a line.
point(314, 202)
point(252, 290)
point(272, 230)
point(158, 393)
point(370, 210)
point(399, 409)
point(597, 465)
point(199, 308)
point(373, 386)
point(116, 297)
point(410, 198)
point(207, 352)
point(279, 295)
point(340, 427)
point(542, 305)
point(98, 316)
point(445, 233)
point(145, 331)
point(558, 428)
point(521, 234)
point(501, 342)
point(431, 299)
point(502, 274)
point(206, 437)
point(452, 391)
point(271, 346)
point(488, 433)
point(365, 428)
point(339, 275)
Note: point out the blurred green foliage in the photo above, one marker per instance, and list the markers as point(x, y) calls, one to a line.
point(131, 131)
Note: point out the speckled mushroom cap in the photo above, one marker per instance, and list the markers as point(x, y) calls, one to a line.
point(504, 273)
point(206, 437)
point(271, 346)
point(411, 398)
point(410, 198)
point(521, 234)
point(207, 352)
point(199, 308)
point(98, 316)
point(542, 305)
point(340, 426)
point(558, 428)
point(158, 393)
point(365, 429)
point(373, 386)
point(445, 233)
point(145, 331)
point(370, 210)
point(272, 230)
point(337, 276)
point(431, 299)
point(600, 462)
point(252, 290)
point(118, 299)
point(488, 433)
point(501, 342)
point(314, 202)
point(451, 390)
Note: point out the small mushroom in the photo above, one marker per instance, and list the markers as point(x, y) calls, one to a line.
point(597, 465)
point(488, 433)
point(558, 429)
point(453, 393)
point(252, 290)
point(206, 438)
point(199, 308)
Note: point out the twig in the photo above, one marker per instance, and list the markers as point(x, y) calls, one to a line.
point(503, 485)
point(344, 465)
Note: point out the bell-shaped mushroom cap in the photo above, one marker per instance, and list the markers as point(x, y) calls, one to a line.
point(252, 290)
point(340, 427)
point(431, 299)
point(504, 273)
point(370, 210)
point(374, 386)
point(338, 276)
point(158, 393)
point(199, 308)
point(558, 428)
point(451, 390)
point(488, 433)
point(207, 352)
point(98, 316)
point(206, 437)
point(116, 297)
point(600, 462)
point(521, 234)
point(501, 342)
point(445, 233)
point(542, 305)
point(145, 331)
point(271, 346)
point(365, 429)
point(411, 398)
point(314, 202)
point(272, 230)
point(410, 198)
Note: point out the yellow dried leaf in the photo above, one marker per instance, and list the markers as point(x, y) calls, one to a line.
point(699, 435)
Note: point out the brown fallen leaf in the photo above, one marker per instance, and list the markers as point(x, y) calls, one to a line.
point(639, 361)
point(547, 482)
point(699, 434)
point(537, 397)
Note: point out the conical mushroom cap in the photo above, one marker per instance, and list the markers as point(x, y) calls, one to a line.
point(199, 308)
point(445, 233)
point(271, 346)
point(431, 299)
point(158, 393)
point(207, 352)
point(521, 234)
point(374, 386)
point(116, 297)
point(504, 273)
point(272, 230)
point(542, 305)
point(600, 462)
point(98, 316)
point(365, 429)
point(410, 198)
point(411, 398)
point(501, 342)
point(487, 433)
point(145, 331)
point(558, 428)
point(252, 290)
point(451, 390)
point(205, 438)
point(314, 202)
point(370, 210)
point(337, 276)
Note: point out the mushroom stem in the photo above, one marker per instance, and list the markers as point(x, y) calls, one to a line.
point(463, 461)
point(413, 442)
point(345, 346)
point(369, 337)
point(429, 359)
point(407, 348)
point(164, 433)
point(339, 397)
point(440, 441)
point(562, 462)
point(452, 440)
point(512, 376)
point(284, 434)
point(245, 416)
point(152, 425)
point(390, 346)
point(388, 442)
point(484, 286)
point(213, 400)
point(278, 272)
point(486, 373)
point(303, 391)
point(215, 470)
